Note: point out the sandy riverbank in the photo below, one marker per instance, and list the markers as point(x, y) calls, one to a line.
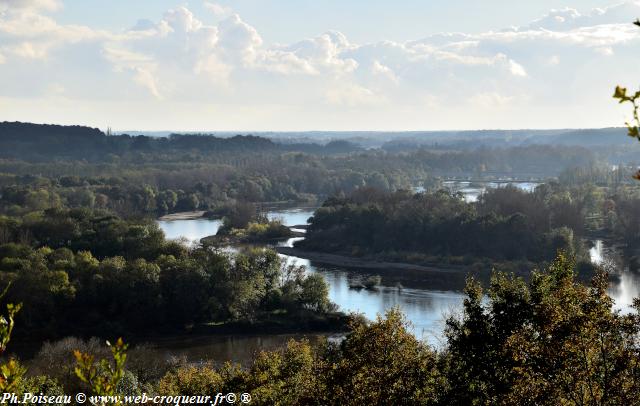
point(185, 215)
point(350, 262)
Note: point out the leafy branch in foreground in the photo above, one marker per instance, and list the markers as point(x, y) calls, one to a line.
point(6, 324)
point(623, 97)
point(11, 373)
point(102, 377)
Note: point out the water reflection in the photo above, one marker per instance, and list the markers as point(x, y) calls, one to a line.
point(426, 300)
point(194, 230)
point(472, 191)
point(191, 230)
point(426, 309)
point(624, 290)
point(291, 217)
point(596, 253)
point(625, 285)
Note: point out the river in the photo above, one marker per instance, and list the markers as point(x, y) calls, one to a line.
point(426, 304)
point(425, 308)
point(473, 190)
point(625, 285)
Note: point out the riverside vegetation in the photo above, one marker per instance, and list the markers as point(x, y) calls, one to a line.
point(550, 341)
point(85, 265)
point(242, 223)
point(88, 271)
point(80, 255)
point(506, 227)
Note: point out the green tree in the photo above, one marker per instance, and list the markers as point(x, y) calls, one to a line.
point(283, 377)
point(314, 293)
point(191, 380)
point(553, 341)
point(382, 364)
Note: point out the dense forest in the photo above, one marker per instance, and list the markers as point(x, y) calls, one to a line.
point(81, 253)
point(505, 224)
point(145, 176)
point(551, 341)
point(472, 267)
point(89, 272)
point(368, 222)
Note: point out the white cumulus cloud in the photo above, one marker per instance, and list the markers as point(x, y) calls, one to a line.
point(517, 69)
point(218, 10)
point(30, 4)
point(223, 60)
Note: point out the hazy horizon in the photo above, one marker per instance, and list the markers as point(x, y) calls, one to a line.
point(367, 131)
point(116, 131)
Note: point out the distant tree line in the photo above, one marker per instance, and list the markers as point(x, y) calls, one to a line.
point(41, 142)
point(53, 166)
point(204, 170)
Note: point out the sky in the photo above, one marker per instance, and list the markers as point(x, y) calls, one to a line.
point(296, 65)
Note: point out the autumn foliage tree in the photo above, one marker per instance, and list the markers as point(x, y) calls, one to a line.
point(551, 341)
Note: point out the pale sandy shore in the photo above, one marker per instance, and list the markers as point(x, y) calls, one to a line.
point(350, 262)
point(185, 215)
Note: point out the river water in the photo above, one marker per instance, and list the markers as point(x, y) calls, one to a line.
point(425, 308)
point(472, 191)
point(426, 300)
point(625, 285)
